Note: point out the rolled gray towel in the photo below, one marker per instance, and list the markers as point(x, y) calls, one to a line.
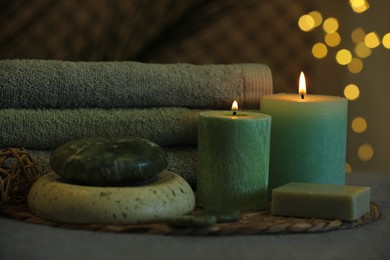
point(181, 160)
point(46, 129)
point(126, 84)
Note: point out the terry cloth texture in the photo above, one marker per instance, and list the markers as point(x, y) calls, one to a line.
point(65, 84)
point(47, 129)
point(190, 31)
point(181, 160)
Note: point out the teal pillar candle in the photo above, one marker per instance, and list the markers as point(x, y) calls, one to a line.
point(308, 138)
point(233, 160)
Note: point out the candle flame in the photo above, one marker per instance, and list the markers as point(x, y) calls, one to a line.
point(302, 84)
point(235, 105)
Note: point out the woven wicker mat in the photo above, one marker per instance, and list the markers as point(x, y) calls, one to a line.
point(250, 223)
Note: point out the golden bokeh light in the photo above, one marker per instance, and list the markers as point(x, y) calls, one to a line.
point(317, 17)
point(359, 6)
point(386, 41)
point(356, 3)
point(355, 66)
point(362, 51)
point(365, 152)
point(358, 35)
point(343, 57)
point(319, 50)
point(372, 40)
point(359, 125)
point(348, 168)
point(351, 92)
point(331, 25)
point(332, 39)
point(352, 56)
point(306, 23)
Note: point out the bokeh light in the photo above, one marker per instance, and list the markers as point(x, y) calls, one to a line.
point(306, 23)
point(319, 50)
point(355, 66)
point(351, 92)
point(330, 25)
point(362, 51)
point(365, 152)
point(343, 57)
point(386, 40)
point(358, 35)
point(332, 39)
point(359, 6)
point(352, 57)
point(317, 17)
point(372, 40)
point(359, 125)
point(348, 168)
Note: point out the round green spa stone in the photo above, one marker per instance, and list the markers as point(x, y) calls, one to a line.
point(108, 161)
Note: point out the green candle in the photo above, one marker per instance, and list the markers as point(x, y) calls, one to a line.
point(308, 138)
point(233, 160)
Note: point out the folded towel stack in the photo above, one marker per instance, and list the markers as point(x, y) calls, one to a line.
point(49, 128)
point(44, 104)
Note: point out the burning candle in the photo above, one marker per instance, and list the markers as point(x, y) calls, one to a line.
point(233, 159)
point(308, 137)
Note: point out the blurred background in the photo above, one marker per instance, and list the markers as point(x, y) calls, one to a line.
point(343, 46)
point(352, 52)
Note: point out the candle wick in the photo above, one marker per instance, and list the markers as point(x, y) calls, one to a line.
point(302, 96)
point(234, 113)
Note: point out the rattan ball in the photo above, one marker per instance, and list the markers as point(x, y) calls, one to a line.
point(17, 174)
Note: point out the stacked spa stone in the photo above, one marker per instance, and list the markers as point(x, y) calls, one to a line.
point(110, 180)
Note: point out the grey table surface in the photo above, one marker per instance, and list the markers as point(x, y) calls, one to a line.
point(372, 241)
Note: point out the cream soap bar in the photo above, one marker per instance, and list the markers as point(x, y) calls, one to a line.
point(320, 201)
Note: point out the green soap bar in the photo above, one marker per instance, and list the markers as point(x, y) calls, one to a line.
point(320, 201)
